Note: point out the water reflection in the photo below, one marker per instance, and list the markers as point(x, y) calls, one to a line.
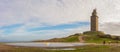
point(47, 44)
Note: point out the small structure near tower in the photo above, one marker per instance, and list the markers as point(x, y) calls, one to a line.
point(94, 21)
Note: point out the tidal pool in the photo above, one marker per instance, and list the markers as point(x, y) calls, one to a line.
point(46, 44)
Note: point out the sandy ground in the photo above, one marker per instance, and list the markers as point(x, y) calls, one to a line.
point(4, 48)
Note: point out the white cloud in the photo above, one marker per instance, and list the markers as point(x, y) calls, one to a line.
point(38, 13)
point(53, 12)
point(111, 28)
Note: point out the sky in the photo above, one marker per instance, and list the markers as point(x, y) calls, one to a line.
point(27, 20)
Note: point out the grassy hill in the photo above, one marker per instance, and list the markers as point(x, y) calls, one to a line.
point(88, 37)
point(96, 37)
point(72, 38)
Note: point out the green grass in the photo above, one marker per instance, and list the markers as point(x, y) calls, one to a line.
point(71, 39)
point(96, 39)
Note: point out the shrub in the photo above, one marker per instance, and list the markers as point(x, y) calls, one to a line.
point(115, 37)
point(104, 36)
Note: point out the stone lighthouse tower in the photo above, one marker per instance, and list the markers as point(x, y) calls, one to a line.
point(94, 21)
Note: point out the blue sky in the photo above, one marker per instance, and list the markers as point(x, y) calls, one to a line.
point(61, 26)
point(25, 20)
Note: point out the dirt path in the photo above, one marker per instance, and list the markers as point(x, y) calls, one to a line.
point(81, 39)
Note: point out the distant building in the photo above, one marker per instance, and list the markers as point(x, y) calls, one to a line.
point(94, 21)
